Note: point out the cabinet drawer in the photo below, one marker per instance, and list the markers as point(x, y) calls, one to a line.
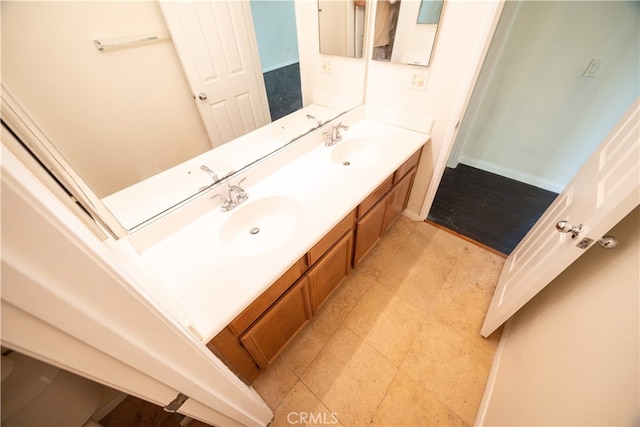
point(327, 274)
point(330, 239)
point(268, 297)
point(406, 166)
point(374, 197)
point(269, 335)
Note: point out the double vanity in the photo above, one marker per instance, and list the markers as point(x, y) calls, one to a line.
point(252, 260)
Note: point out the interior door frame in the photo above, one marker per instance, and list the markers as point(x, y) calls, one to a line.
point(480, 54)
point(494, 51)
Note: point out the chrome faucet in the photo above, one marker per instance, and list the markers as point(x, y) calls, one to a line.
point(334, 136)
point(315, 119)
point(237, 195)
point(212, 174)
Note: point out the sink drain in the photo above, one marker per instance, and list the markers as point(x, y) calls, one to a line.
point(254, 230)
point(346, 163)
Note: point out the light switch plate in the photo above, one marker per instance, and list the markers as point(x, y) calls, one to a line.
point(592, 68)
point(418, 80)
point(326, 65)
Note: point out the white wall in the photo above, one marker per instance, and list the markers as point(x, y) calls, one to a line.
point(538, 118)
point(275, 25)
point(124, 114)
point(459, 41)
point(333, 81)
point(570, 356)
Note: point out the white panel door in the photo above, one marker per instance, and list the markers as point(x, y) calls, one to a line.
point(603, 192)
point(217, 47)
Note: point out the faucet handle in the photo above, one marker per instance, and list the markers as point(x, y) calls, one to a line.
point(225, 204)
point(315, 119)
point(240, 182)
point(337, 135)
point(209, 172)
point(237, 187)
point(240, 193)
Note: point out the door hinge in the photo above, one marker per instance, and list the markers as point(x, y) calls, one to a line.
point(176, 403)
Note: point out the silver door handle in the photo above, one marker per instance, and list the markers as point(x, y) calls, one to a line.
point(565, 227)
point(202, 96)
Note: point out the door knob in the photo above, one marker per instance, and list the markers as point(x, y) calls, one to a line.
point(608, 242)
point(566, 227)
point(202, 96)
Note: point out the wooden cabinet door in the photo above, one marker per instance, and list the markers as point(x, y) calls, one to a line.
point(369, 230)
point(398, 199)
point(327, 273)
point(269, 335)
point(227, 347)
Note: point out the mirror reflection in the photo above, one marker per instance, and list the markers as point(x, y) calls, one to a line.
point(126, 113)
point(429, 12)
point(405, 30)
point(341, 27)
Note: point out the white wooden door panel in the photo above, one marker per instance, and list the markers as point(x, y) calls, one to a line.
point(603, 192)
point(68, 299)
point(216, 44)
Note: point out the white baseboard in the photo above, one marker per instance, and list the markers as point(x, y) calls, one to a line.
point(280, 65)
point(536, 181)
point(412, 215)
point(491, 380)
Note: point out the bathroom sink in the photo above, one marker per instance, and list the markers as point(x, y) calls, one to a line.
point(258, 226)
point(358, 152)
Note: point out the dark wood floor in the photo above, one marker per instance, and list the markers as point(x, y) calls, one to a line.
point(284, 90)
point(488, 208)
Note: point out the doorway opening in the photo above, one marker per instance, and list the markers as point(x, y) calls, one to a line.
point(557, 77)
point(274, 22)
point(488, 208)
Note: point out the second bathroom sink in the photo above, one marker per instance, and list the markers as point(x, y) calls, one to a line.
point(261, 225)
point(362, 152)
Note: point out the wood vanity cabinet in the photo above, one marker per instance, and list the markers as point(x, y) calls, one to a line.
point(228, 348)
point(398, 198)
point(369, 229)
point(378, 211)
point(325, 276)
point(252, 341)
point(269, 335)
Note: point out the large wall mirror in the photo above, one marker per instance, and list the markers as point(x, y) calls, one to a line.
point(405, 30)
point(341, 26)
point(125, 113)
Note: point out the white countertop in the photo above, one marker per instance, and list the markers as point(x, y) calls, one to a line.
point(213, 285)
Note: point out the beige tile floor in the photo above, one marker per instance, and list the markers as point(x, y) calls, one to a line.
point(398, 342)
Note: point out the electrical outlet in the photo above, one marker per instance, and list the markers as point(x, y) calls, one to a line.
point(326, 65)
point(418, 80)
